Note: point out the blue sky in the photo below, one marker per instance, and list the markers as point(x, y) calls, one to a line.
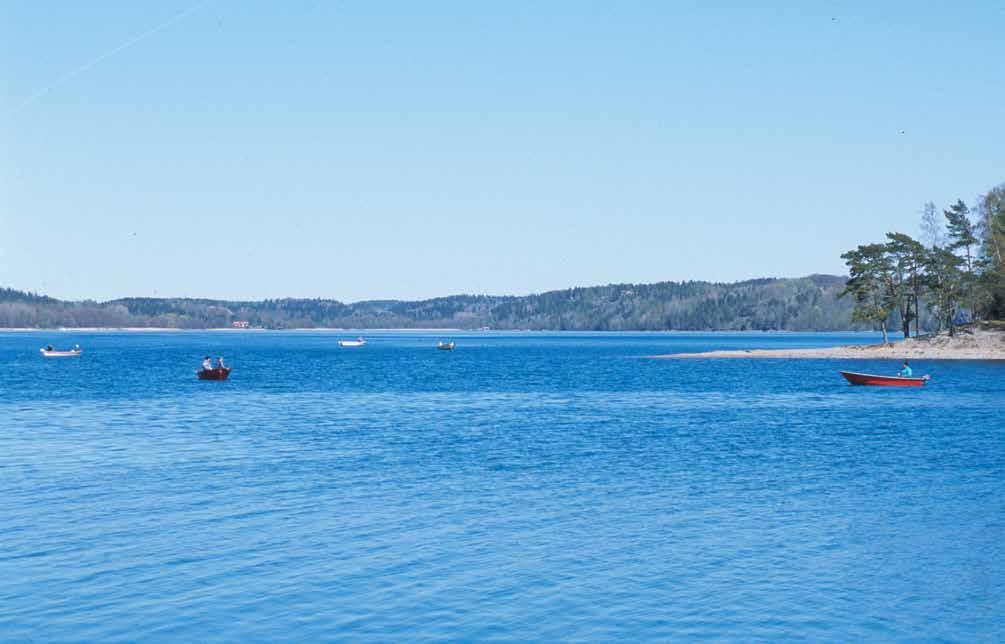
point(400, 149)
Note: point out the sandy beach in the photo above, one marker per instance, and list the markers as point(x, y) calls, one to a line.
point(967, 344)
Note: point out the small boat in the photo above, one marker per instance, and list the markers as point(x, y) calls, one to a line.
point(218, 373)
point(49, 352)
point(358, 342)
point(446, 346)
point(883, 381)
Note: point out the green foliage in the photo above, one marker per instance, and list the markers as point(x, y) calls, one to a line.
point(946, 283)
point(991, 210)
point(959, 228)
point(870, 283)
point(963, 238)
point(894, 279)
point(908, 258)
point(766, 304)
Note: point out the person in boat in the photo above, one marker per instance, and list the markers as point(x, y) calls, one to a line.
point(48, 347)
point(905, 371)
point(207, 364)
point(219, 363)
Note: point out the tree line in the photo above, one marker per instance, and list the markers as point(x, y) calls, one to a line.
point(956, 273)
point(801, 304)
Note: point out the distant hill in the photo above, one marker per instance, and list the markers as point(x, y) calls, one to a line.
point(801, 304)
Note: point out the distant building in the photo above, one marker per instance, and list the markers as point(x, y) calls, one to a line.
point(240, 324)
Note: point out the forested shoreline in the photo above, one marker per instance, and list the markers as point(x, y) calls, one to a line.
point(954, 275)
point(800, 304)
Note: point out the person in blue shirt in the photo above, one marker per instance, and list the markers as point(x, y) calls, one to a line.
point(906, 371)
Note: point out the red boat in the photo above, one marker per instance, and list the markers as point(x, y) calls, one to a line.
point(883, 381)
point(219, 373)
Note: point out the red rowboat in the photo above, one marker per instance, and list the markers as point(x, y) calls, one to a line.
point(213, 374)
point(883, 381)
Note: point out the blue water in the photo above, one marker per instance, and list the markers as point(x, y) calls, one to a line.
point(525, 486)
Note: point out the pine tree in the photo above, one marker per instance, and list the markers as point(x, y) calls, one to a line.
point(945, 281)
point(908, 258)
point(870, 276)
point(992, 228)
point(962, 236)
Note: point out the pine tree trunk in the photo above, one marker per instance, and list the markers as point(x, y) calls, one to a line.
point(917, 310)
point(882, 327)
point(917, 316)
point(970, 286)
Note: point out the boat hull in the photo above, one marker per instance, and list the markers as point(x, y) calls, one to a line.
point(60, 354)
point(882, 381)
point(351, 343)
point(213, 374)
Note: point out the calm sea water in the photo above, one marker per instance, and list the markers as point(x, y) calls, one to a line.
point(525, 486)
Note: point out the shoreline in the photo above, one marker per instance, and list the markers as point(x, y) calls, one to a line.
point(145, 329)
point(967, 344)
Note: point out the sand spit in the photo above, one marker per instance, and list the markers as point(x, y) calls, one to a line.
point(986, 343)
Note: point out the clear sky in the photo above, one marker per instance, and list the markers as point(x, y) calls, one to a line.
point(362, 150)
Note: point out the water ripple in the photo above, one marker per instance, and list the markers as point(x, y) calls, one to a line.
point(522, 487)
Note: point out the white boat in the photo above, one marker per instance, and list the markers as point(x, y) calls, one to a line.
point(446, 346)
point(358, 342)
point(49, 352)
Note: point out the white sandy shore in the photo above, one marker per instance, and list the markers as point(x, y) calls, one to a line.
point(970, 344)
